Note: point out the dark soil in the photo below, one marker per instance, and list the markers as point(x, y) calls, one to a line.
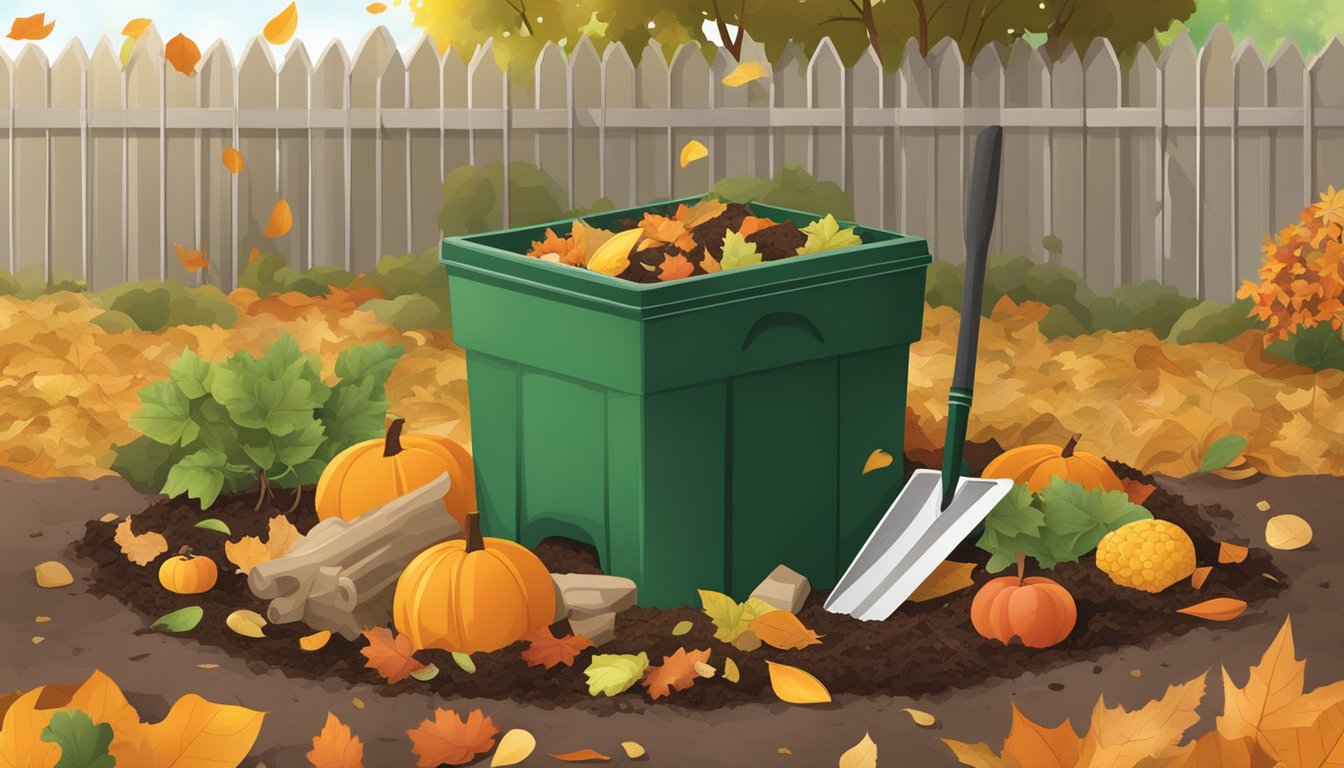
point(925, 648)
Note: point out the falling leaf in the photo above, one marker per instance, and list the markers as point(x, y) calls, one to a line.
point(1217, 609)
point(675, 268)
point(677, 672)
point(613, 257)
point(1287, 532)
point(389, 656)
point(861, 755)
point(730, 671)
point(246, 623)
point(377, 8)
point(139, 549)
point(580, 756)
point(336, 747)
point(783, 630)
point(232, 159)
point(1200, 575)
point(744, 73)
point(1138, 491)
point(281, 220)
point(795, 686)
point(633, 749)
point(426, 673)
point(192, 261)
point(878, 459)
point(546, 650)
point(246, 553)
point(31, 28)
point(136, 27)
point(1262, 505)
point(52, 574)
point(181, 620)
point(693, 151)
point(214, 524)
point(280, 29)
point(127, 48)
point(450, 739)
point(281, 535)
point(253, 254)
point(610, 673)
point(737, 252)
point(947, 578)
point(315, 641)
point(921, 718)
point(182, 53)
point(730, 617)
point(514, 747)
point(1231, 553)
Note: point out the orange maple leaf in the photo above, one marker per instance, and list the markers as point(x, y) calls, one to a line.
point(664, 230)
point(192, 261)
point(547, 650)
point(677, 672)
point(1138, 491)
point(336, 747)
point(391, 657)
point(675, 268)
point(699, 213)
point(450, 739)
point(753, 224)
point(554, 248)
point(35, 27)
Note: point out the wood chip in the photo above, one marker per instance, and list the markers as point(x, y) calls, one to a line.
point(1231, 553)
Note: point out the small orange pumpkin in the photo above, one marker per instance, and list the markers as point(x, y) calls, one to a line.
point(188, 574)
point(1034, 609)
point(1035, 465)
point(374, 472)
point(473, 595)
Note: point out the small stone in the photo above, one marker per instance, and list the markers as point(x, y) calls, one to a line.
point(600, 628)
point(784, 588)
point(561, 610)
point(594, 593)
point(1056, 686)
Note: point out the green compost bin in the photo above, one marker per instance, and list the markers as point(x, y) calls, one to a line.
point(698, 432)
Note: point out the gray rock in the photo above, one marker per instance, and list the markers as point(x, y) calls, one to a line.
point(784, 588)
point(599, 628)
point(594, 593)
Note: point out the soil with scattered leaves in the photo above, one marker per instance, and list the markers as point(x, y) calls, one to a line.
point(924, 648)
point(778, 241)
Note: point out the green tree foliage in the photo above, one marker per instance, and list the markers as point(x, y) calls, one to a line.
point(1309, 23)
point(1126, 23)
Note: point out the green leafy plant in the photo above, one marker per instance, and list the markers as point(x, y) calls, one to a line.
point(1213, 321)
point(1058, 525)
point(793, 188)
point(268, 274)
point(473, 199)
point(31, 281)
point(83, 744)
point(152, 305)
point(215, 427)
point(1317, 348)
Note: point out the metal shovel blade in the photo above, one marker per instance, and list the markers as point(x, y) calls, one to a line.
point(910, 541)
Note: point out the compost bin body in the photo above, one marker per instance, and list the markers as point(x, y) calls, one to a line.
point(697, 432)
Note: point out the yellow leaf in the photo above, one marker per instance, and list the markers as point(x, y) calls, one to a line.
point(280, 29)
point(1030, 743)
point(730, 671)
point(280, 536)
point(744, 73)
point(681, 628)
point(1231, 553)
point(127, 48)
point(41, 619)
point(784, 751)
point(795, 686)
point(514, 747)
point(730, 617)
point(52, 574)
point(1119, 737)
point(246, 623)
point(281, 220)
point(921, 718)
point(246, 553)
point(704, 670)
point(737, 252)
point(375, 8)
point(1213, 751)
point(878, 459)
point(102, 700)
point(633, 749)
point(135, 27)
point(1287, 532)
point(357, 703)
point(977, 755)
point(192, 261)
point(1200, 575)
point(783, 630)
point(315, 641)
point(861, 755)
point(613, 256)
point(232, 159)
point(201, 734)
point(1217, 609)
point(825, 235)
point(21, 745)
point(139, 549)
point(947, 578)
point(109, 517)
point(182, 53)
point(693, 151)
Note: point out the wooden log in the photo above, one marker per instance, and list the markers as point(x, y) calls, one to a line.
point(342, 575)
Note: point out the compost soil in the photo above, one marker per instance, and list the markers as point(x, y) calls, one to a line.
point(780, 241)
point(925, 648)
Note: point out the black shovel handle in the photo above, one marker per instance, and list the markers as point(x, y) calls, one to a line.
point(980, 208)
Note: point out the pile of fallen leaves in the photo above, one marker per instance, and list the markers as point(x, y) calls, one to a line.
point(1270, 721)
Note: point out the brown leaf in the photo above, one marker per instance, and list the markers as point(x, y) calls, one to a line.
point(246, 553)
point(547, 650)
point(280, 29)
point(1138, 491)
point(783, 630)
point(1212, 750)
point(375, 8)
point(392, 657)
point(281, 220)
point(1231, 553)
point(1200, 575)
point(281, 535)
point(450, 739)
point(232, 159)
point(34, 27)
point(677, 672)
point(192, 261)
point(947, 578)
point(1216, 609)
point(336, 747)
point(182, 53)
point(1120, 737)
point(581, 756)
point(142, 548)
point(675, 268)
point(135, 28)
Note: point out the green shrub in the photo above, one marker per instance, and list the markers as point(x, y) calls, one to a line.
point(473, 199)
point(1060, 321)
point(942, 286)
point(793, 188)
point(153, 305)
point(403, 280)
point(1317, 348)
point(1212, 321)
point(1149, 304)
point(268, 274)
point(1020, 279)
point(30, 282)
point(1053, 284)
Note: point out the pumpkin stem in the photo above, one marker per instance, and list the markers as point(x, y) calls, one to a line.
point(1021, 566)
point(1069, 446)
point(186, 553)
point(473, 533)
point(392, 443)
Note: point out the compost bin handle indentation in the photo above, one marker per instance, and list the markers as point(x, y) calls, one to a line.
point(781, 320)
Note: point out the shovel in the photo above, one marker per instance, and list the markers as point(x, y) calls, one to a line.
point(936, 510)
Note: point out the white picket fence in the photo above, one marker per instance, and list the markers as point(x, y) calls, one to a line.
point(1173, 168)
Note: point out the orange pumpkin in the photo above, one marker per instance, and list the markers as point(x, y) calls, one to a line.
point(188, 574)
point(1035, 465)
point(472, 595)
point(1034, 609)
point(374, 472)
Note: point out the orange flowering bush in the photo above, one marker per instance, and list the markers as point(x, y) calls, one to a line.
point(1300, 283)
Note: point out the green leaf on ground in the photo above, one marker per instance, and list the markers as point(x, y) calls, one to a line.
point(83, 744)
point(464, 661)
point(181, 620)
point(1223, 451)
point(214, 524)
